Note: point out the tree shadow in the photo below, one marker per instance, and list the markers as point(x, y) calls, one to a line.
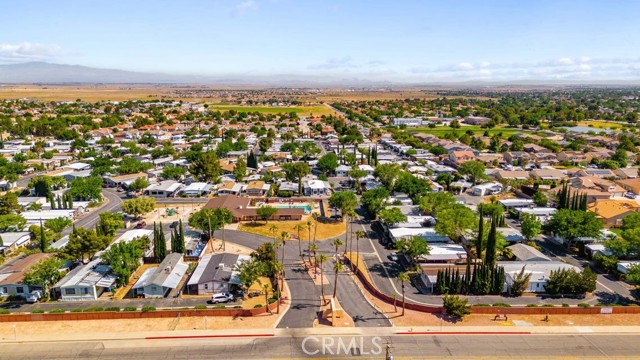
point(393, 269)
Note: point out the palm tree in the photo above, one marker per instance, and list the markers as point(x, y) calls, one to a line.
point(403, 277)
point(337, 267)
point(337, 242)
point(313, 248)
point(315, 228)
point(265, 289)
point(273, 230)
point(299, 227)
point(225, 217)
point(350, 215)
point(284, 237)
point(321, 259)
point(309, 239)
point(359, 234)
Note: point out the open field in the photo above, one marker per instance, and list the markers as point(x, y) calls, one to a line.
point(325, 231)
point(601, 124)
point(300, 110)
point(84, 92)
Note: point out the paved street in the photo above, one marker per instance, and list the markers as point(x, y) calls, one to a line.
point(556, 346)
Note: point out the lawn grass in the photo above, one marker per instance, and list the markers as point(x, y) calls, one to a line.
point(250, 303)
point(601, 124)
point(300, 110)
point(325, 231)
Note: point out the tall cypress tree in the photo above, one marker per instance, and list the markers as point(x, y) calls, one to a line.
point(43, 238)
point(480, 231)
point(70, 201)
point(60, 203)
point(162, 245)
point(181, 241)
point(490, 253)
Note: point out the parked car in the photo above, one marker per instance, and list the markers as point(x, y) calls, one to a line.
point(34, 296)
point(221, 298)
point(174, 224)
point(141, 225)
point(119, 189)
point(630, 195)
point(393, 256)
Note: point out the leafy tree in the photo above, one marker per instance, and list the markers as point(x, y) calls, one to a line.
point(86, 188)
point(633, 274)
point(531, 226)
point(140, 206)
point(249, 272)
point(58, 224)
point(45, 274)
point(454, 221)
point(240, 170)
point(445, 179)
point(387, 174)
point(474, 169)
point(344, 201)
point(520, 282)
point(573, 224)
point(631, 221)
point(206, 167)
point(455, 306)
point(109, 223)
point(411, 185)
point(392, 216)
point(569, 281)
point(9, 204)
point(11, 220)
point(412, 248)
point(265, 212)
point(620, 157)
point(139, 184)
point(431, 203)
point(328, 163)
point(124, 258)
point(204, 220)
point(374, 200)
point(43, 185)
point(173, 172)
point(296, 171)
point(540, 199)
point(83, 244)
point(265, 144)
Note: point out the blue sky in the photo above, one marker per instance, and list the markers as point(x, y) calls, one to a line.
point(395, 40)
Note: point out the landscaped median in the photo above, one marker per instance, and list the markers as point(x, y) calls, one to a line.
point(497, 308)
point(146, 312)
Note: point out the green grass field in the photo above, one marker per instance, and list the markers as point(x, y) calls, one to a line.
point(300, 110)
point(599, 124)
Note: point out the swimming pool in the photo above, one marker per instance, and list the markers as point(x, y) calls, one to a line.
point(307, 208)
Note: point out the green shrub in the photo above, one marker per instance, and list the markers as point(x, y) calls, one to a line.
point(148, 308)
point(113, 308)
point(565, 305)
point(481, 305)
point(4, 312)
point(238, 307)
point(532, 305)
point(584, 305)
point(130, 308)
point(272, 300)
point(56, 311)
point(200, 307)
point(258, 306)
point(499, 304)
point(94, 309)
point(218, 307)
point(37, 311)
point(548, 305)
point(76, 310)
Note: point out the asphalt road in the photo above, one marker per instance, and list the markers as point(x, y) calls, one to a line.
point(554, 346)
point(90, 220)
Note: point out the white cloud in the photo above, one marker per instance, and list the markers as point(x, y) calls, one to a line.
point(564, 61)
point(27, 51)
point(334, 63)
point(244, 6)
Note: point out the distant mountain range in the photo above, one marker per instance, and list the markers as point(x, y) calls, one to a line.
point(48, 73)
point(42, 72)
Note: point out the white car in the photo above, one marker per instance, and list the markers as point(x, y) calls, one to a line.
point(221, 298)
point(630, 195)
point(34, 297)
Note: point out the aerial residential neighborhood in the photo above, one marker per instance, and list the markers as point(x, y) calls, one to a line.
point(259, 179)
